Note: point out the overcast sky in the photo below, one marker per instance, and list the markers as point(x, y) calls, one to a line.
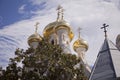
point(17, 20)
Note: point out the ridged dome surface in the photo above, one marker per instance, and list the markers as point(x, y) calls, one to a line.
point(80, 43)
point(55, 26)
point(34, 38)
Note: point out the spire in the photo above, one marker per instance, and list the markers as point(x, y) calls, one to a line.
point(60, 14)
point(36, 27)
point(106, 66)
point(104, 27)
point(79, 29)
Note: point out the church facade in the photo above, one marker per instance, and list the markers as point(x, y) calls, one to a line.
point(60, 33)
point(107, 65)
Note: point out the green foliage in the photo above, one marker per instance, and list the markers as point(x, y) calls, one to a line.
point(47, 62)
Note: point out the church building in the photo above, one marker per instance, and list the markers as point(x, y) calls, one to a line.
point(60, 33)
point(107, 65)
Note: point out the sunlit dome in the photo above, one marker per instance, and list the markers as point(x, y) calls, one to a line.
point(54, 26)
point(80, 43)
point(60, 23)
point(34, 38)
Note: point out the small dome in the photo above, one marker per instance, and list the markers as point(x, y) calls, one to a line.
point(80, 43)
point(34, 38)
point(54, 26)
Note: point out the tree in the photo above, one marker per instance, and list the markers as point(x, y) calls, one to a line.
point(47, 62)
point(11, 72)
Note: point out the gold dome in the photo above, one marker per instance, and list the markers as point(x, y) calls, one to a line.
point(54, 26)
point(80, 43)
point(34, 38)
point(60, 23)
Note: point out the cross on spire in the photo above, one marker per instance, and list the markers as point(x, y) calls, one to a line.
point(79, 29)
point(36, 27)
point(60, 13)
point(105, 30)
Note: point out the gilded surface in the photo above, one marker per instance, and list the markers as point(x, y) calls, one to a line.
point(34, 38)
point(80, 43)
point(55, 26)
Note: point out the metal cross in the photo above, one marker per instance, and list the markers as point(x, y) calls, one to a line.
point(104, 27)
point(36, 26)
point(79, 29)
point(60, 12)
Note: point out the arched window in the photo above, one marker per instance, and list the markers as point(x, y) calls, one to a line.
point(52, 42)
point(63, 37)
point(67, 42)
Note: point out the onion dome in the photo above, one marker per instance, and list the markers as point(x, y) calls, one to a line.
point(58, 24)
point(55, 26)
point(34, 37)
point(80, 43)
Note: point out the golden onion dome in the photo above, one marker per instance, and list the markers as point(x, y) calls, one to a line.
point(60, 23)
point(34, 38)
point(80, 43)
point(55, 26)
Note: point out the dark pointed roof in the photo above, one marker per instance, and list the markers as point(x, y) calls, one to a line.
point(107, 65)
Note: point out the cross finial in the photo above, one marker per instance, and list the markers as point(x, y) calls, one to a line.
point(104, 27)
point(60, 13)
point(79, 29)
point(36, 26)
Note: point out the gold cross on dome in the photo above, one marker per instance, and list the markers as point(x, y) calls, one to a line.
point(60, 13)
point(79, 29)
point(105, 30)
point(36, 26)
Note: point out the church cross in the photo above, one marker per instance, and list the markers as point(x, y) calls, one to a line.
point(79, 29)
point(105, 30)
point(36, 26)
point(60, 13)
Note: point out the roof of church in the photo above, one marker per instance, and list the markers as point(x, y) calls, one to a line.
point(107, 65)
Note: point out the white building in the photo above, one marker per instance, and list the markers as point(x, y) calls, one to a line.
point(107, 65)
point(60, 33)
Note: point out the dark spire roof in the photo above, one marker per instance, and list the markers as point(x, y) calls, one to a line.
point(107, 65)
